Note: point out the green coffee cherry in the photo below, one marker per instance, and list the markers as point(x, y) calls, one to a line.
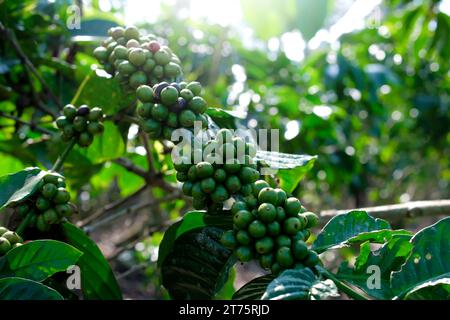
point(208, 185)
point(267, 212)
point(204, 170)
point(3, 230)
point(244, 253)
point(278, 238)
point(220, 175)
point(233, 184)
point(268, 195)
point(187, 118)
point(237, 206)
point(273, 228)
point(283, 241)
point(243, 237)
point(258, 186)
point(12, 237)
point(195, 87)
point(41, 224)
point(251, 201)
point(64, 210)
point(69, 112)
point(220, 194)
point(292, 207)
point(228, 239)
point(281, 215)
point(284, 257)
point(5, 246)
point(312, 259)
point(131, 32)
point(161, 57)
point(42, 204)
point(300, 250)
point(266, 260)
point(292, 225)
point(197, 191)
point(276, 268)
point(264, 245)
point(80, 124)
point(257, 229)
point(169, 95)
point(49, 190)
point(281, 196)
point(242, 219)
point(312, 219)
point(136, 56)
point(50, 216)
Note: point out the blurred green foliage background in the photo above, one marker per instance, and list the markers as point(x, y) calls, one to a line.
point(364, 85)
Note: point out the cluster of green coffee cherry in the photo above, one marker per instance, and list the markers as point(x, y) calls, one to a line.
point(273, 228)
point(228, 169)
point(80, 124)
point(8, 240)
point(167, 107)
point(136, 59)
point(49, 204)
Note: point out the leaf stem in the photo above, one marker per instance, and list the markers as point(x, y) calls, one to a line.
point(342, 286)
point(24, 224)
point(60, 161)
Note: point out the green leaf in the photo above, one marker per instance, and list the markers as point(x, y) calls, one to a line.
point(351, 227)
point(227, 290)
point(224, 118)
point(290, 168)
point(388, 258)
point(98, 90)
point(254, 289)
point(198, 265)
point(432, 290)
point(290, 178)
point(299, 284)
point(107, 146)
point(429, 259)
point(191, 220)
point(97, 279)
point(37, 260)
point(23, 289)
point(19, 186)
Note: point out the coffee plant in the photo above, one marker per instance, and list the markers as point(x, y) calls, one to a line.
point(244, 206)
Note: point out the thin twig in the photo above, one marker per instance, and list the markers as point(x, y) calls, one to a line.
point(148, 151)
point(133, 269)
point(395, 212)
point(31, 125)
point(12, 38)
point(139, 236)
point(139, 206)
point(110, 207)
point(156, 179)
point(130, 166)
